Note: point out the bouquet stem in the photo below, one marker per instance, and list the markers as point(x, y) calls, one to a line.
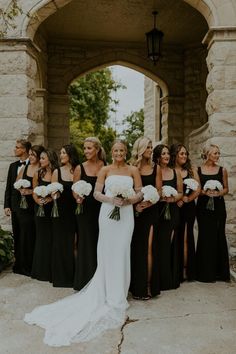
point(79, 209)
point(54, 213)
point(210, 204)
point(167, 215)
point(40, 211)
point(115, 213)
point(23, 202)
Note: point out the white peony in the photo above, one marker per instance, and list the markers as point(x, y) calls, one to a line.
point(22, 183)
point(168, 191)
point(150, 194)
point(41, 191)
point(213, 185)
point(82, 188)
point(54, 187)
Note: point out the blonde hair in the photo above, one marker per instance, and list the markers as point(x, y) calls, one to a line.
point(207, 149)
point(98, 146)
point(138, 150)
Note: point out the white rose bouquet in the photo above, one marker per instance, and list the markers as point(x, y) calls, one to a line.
point(53, 188)
point(82, 188)
point(150, 194)
point(168, 191)
point(22, 183)
point(122, 191)
point(191, 185)
point(41, 191)
point(212, 185)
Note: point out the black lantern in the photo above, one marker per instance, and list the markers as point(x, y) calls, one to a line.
point(154, 41)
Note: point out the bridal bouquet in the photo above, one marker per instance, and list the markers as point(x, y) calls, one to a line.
point(191, 185)
point(123, 191)
point(212, 185)
point(82, 188)
point(168, 191)
point(150, 194)
point(41, 191)
point(53, 188)
point(22, 183)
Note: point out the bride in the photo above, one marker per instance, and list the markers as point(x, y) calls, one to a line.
point(102, 303)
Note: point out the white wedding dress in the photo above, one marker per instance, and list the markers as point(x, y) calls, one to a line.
point(102, 303)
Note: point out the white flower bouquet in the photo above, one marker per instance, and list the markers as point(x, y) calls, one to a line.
point(82, 188)
point(53, 188)
point(41, 191)
point(168, 191)
point(22, 183)
point(212, 185)
point(123, 191)
point(191, 185)
point(150, 194)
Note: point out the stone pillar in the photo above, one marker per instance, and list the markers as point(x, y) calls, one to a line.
point(221, 109)
point(58, 121)
point(17, 96)
point(175, 119)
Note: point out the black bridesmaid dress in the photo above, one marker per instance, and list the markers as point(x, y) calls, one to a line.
point(187, 218)
point(42, 260)
point(139, 249)
point(87, 230)
point(168, 242)
point(27, 231)
point(212, 252)
point(64, 229)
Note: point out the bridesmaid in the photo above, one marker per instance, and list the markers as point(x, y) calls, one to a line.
point(87, 223)
point(212, 251)
point(42, 260)
point(145, 281)
point(167, 231)
point(26, 216)
point(64, 226)
point(181, 162)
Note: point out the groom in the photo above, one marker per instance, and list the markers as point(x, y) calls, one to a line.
point(12, 196)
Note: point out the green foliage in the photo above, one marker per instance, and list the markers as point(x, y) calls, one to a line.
point(134, 124)
point(90, 103)
point(8, 16)
point(6, 247)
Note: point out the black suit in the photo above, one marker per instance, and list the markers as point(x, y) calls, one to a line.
point(12, 201)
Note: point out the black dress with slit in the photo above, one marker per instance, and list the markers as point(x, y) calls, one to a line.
point(27, 232)
point(42, 260)
point(168, 242)
point(87, 231)
point(139, 248)
point(212, 251)
point(64, 229)
point(187, 219)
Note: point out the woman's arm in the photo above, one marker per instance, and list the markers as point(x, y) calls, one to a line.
point(158, 179)
point(98, 195)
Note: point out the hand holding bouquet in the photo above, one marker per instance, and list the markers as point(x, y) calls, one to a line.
point(53, 188)
point(150, 194)
point(168, 191)
point(212, 185)
point(82, 189)
point(121, 191)
point(22, 183)
point(42, 192)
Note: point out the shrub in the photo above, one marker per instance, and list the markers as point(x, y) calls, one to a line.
point(6, 248)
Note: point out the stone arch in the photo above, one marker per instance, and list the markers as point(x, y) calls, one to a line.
point(45, 8)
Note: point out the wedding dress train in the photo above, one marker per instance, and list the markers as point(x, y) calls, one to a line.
point(102, 303)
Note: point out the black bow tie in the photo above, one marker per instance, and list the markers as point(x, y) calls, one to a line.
point(22, 163)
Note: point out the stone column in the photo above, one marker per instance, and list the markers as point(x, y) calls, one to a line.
point(221, 109)
point(175, 119)
point(17, 96)
point(58, 121)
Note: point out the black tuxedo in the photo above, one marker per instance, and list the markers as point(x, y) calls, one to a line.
point(12, 201)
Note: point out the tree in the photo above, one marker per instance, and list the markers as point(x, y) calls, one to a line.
point(90, 103)
point(134, 128)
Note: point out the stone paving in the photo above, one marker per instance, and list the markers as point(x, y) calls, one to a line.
point(196, 318)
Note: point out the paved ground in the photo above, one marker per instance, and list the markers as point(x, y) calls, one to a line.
point(196, 318)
